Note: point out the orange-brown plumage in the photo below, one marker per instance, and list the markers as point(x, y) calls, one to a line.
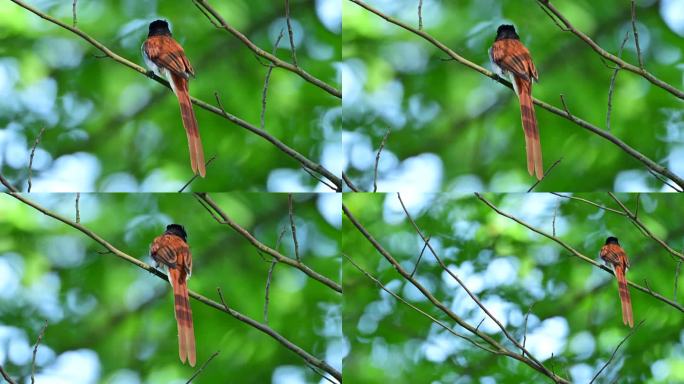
point(166, 57)
point(171, 251)
point(613, 254)
point(513, 58)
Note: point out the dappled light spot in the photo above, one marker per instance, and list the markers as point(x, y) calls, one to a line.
point(550, 336)
point(672, 13)
point(289, 374)
point(583, 345)
point(328, 205)
point(633, 181)
point(79, 366)
point(11, 273)
point(330, 14)
point(69, 173)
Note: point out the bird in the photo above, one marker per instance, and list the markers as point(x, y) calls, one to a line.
point(171, 251)
point(166, 58)
point(613, 254)
point(511, 58)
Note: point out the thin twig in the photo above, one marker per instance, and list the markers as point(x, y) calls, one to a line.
point(545, 174)
point(207, 15)
point(6, 376)
point(268, 289)
point(35, 351)
point(321, 374)
point(664, 181)
point(202, 367)
point(611, 89)
point(267, 79)
point(525, 329)
point(78, 210)
point(377, 160)
point(608, 209)
point(194, 177)
point(223, 301)
point(280, 238)
point(349, 183)
point(415, 267)
point(420, 14)
point(334, 188)
point(553, 18)
point(615, 351)
point(480, 323)
point(636, 210)
point(290, 33)
point(33, 152)
point(636, 36)
point(553, 223)
point(676, 279)
point(73, 14)
point(290, 210)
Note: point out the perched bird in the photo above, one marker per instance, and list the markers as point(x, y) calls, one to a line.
point(613, 254)
point(511, 58)
point(165, 57)
point(171, 251)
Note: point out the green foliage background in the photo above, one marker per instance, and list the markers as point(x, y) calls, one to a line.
point(391, 342)
point(131, 124)
point(468, 126)
point(97, 302)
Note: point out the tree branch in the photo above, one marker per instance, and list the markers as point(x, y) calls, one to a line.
point(349, 183)
point(570, 197)
point(6, 376)
point(563, 113)
point(8, 185)
point(218, 111)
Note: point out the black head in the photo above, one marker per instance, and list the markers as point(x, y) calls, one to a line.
point(178, 230)
point(612, 240)
point(159, 28)
point(506, 31)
